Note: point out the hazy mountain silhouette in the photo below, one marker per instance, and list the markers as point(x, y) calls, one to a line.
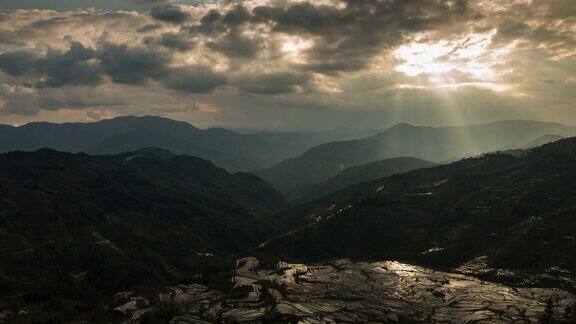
point(516, 212)
point(130, 133)
point(435, 144)
point(293, 144)
point(230, 150)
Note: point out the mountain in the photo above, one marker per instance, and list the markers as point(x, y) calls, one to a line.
point(226, 149)
point(436, 144)
point(74, 137)
point(292, 144)
point(140, 138)
point(361, 173)
point(501, 211)
point(75, 227)
point(441, 143)
point(319, 164)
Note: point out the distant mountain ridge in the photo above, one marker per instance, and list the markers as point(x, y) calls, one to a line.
point(319, 164)
point(296, 143)
point(436, 144)
point(228, 149)
point(131, 133)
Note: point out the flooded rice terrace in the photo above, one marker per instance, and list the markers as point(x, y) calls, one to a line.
point(342, 291)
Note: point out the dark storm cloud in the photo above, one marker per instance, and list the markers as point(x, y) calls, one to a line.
point(8, 37)
point(304, 18)
point(196, 79)
point(227, 31)
point(169, 13)
point(133, 65)
point(237, 16)
point(346, 38)
point(210, 23)
point(75, 67)
point(216, 22)
point(349, 37)
point(18, 63)
point(236, 45)
point(174, 41)
point(84, 66)
point(149, 28)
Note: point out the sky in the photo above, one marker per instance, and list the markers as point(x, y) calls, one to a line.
point(289, 64)
point(136, 5)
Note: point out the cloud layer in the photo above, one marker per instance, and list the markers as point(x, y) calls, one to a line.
point(293, 64)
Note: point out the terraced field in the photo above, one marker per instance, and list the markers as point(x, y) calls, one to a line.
point(343, 291)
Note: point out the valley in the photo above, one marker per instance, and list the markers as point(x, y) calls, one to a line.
point(153, 235)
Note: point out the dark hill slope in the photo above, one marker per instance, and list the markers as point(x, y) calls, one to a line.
point(519, 212)
point(74, 223)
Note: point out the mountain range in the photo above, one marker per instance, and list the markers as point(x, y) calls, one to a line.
point(435, 144)
point(227, 149)
point(292, 162)
point(512, 213)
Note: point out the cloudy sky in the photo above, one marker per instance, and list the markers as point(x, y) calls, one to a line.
point(289, 64)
